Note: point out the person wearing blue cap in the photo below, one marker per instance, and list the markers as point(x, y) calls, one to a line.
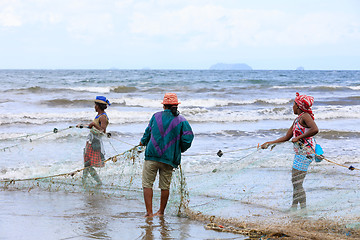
point(94, 154)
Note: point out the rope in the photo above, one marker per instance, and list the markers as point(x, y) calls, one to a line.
point(351, 168)
point(220, 153)
point(252, 233)
point(113, 158)
point(19, 137)
point(120, 140)
point(54, 131)
point(113, 147)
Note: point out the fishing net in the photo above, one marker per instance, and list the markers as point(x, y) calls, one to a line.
point(246, 190)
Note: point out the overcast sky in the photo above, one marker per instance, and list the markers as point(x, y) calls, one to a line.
point(179, 34)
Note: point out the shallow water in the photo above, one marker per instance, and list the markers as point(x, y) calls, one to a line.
point(41, 215)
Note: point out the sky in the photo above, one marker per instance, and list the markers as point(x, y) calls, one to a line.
point(179, 34)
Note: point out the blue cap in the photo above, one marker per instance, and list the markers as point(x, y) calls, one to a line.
point(102, 99)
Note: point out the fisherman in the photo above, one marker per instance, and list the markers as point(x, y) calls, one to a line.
point(94, 154)
point(301, 131)
point(166, 137)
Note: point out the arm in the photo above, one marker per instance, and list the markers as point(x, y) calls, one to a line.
point(103, 124)
point(187, 136)
point(285, 138)
point(147, 134)
point(307, 121)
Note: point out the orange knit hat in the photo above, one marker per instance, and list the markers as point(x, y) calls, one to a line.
point(170, 99)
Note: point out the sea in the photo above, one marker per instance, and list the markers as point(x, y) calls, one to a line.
point(225, 177)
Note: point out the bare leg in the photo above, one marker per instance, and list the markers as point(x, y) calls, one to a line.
point(84, 176)
point(94, 174)
point(148, 195)
point(299, 195)
point(163, 202)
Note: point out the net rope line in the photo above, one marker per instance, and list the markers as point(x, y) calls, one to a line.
point(113, 158)
point(54, 131)
point(109, 135)
point(351, 168)
point(220, 152)
point(72, 173)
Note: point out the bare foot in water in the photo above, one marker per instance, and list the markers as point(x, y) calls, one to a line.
point(158, 213)
point(148, 215)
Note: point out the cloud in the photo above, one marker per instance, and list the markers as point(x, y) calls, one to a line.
point(175, 32)
point(8, 16)
point(216, 26)
point(322, 28)
point(83, 21)
point(90, 28)
point(190, 24)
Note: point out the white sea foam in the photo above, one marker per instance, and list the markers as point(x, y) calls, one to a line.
point(355, 87)
point(288, 87)
point(137, 101)
point(92, 89)
point(319, 87)
point(197, 114)
point(209, 102)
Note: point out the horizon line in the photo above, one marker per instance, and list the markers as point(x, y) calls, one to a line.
point(177, 69)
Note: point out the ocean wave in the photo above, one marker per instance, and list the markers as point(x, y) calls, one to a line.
point(341, 101)
point(92, 89)
point(324, 133)
point(319, 88)
point(35, 89)
point(116, 117)
point(357, 88)
point(208, 103)
point(154, 90)
point(336, 134)
point(104, 89)
point(283, 113)
point(67, 103)
point(38, 90)
point(194, 114)
point(124, 89)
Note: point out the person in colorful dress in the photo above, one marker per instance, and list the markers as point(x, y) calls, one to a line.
point(301, 131)
point(166, 137)
point(94, 154)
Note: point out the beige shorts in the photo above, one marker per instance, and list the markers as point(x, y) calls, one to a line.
point(149, 174)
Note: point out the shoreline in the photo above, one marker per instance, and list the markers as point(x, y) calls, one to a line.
point(57, 215)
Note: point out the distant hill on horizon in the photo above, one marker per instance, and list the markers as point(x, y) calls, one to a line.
point(233, 66)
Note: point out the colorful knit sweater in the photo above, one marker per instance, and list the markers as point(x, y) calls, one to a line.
point(166, 138)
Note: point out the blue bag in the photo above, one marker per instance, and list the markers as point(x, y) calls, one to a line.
point(318, 151)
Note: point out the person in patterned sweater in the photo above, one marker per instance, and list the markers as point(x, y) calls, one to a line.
point(167, 136)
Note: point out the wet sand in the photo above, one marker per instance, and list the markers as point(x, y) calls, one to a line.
point(57, 215)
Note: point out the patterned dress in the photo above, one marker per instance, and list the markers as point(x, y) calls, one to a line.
point(94, 154)
point(304, 153)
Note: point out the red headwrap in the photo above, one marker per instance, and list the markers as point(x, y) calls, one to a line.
point(304, 103)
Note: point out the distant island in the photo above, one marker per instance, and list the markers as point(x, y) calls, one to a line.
point(234, 66)
point(300, 68)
